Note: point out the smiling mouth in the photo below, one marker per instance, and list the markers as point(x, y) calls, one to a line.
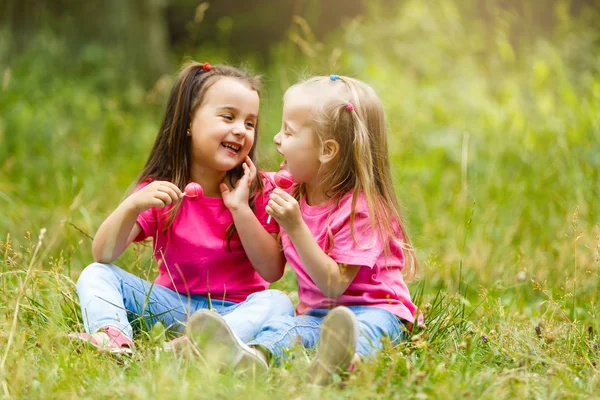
point(232, 146)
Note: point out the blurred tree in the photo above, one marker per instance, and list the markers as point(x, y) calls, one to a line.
point(135, 28)
point(252, 26)
point(146, 33)
point(246, 27)
point(541, 15)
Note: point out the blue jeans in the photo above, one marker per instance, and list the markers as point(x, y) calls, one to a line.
point(283, 332)
point(110, 296)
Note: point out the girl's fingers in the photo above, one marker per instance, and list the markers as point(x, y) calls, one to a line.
point(229, 188)
point(170, 191)
point(247, 172)
point(224, 188)
point(243, 180)
point(279, 199)
point(251, 166)
point(269, 211)
point(158, 203)
point(247, 177)
point(164, 197)
point(283, 194)
point(176, 189)
point(275, 208)
point(250, 170)
point(173, 187)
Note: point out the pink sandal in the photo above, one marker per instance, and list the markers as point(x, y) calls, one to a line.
point(108, 339)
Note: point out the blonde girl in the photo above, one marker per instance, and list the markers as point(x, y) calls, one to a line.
point(342, 231)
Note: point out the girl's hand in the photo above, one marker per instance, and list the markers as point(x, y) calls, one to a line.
point(237, 198)
point(156, 194)
point(285, 209)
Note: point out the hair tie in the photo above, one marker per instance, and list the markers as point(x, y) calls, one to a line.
point(349, 106)
point(334, 77)
point(206, 67)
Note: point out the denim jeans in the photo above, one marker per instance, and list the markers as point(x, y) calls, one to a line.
point(283, 332)
point(110, 296)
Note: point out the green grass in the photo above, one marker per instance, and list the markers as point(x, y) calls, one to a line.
point(496, 155)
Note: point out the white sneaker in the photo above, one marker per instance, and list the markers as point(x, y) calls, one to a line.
point(215, 341)
point(337, 345)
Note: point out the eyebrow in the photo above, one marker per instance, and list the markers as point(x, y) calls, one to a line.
point(236, 109)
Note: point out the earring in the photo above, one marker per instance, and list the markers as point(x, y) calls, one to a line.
point(189, 133)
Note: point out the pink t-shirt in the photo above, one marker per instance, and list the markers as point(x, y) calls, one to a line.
point(192, 254)
point(379, 282)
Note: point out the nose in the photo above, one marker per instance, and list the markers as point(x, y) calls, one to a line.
point(238, 129)
point(277, 138)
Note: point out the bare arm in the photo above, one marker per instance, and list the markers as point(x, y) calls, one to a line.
point(115, 233)
point(262, 247)
point(330, 277)
point(120, 228)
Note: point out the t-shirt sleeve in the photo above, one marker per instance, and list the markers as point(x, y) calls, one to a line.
point(262, 199)
point(149, 224)
point(363, 248)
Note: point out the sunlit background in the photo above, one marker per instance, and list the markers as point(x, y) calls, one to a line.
point(494, 115)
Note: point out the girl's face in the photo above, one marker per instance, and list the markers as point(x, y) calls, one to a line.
point(297, 141)
point(223, 126)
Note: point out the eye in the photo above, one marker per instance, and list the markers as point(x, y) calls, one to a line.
point(250, 124)
point(228, 117)
point(285, 130)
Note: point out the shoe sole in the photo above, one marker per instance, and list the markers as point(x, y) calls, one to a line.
point(216, 342)
point(337, 345)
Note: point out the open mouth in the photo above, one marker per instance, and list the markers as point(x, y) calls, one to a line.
point(234, 147)
point(283, 164)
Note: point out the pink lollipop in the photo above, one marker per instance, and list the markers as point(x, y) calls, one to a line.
point(284, 180)
point(193, 190)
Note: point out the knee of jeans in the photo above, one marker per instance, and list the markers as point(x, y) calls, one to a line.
point(280, 302)
point(279, 323)
point(91, 273)
point(367, 349)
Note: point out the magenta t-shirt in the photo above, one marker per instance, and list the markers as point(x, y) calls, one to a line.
point(379, 282)
point(192, 254)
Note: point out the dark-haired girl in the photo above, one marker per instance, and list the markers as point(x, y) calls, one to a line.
point(213, 251)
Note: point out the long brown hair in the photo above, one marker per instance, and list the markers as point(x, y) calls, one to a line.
point(362, 164)
point(170, 156)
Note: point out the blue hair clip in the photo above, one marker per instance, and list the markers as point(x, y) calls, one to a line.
point(334, 77)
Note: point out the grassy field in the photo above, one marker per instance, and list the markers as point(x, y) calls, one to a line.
point(496, 155)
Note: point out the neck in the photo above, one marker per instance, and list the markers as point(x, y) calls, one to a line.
point(314, 195)
point(208, 179)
